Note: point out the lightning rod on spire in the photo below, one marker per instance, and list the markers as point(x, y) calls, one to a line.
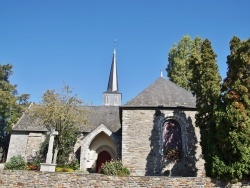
point(115, 44)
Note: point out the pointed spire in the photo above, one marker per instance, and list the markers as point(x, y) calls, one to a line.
point(112, 97)
point(113, 80)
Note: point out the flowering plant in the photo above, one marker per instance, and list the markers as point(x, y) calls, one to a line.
point(172, 154)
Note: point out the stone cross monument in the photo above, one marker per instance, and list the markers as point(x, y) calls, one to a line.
point(50, 149)
point(48, 166)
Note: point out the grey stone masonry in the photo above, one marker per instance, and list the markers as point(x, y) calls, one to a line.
point(25, 143)
point(34, 143)
point(142, 150)
point(24, 178)
point(17, 144)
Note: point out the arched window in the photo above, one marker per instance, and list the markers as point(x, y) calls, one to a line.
point(171, 137)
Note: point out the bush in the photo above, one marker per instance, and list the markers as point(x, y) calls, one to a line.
point(69, 167)
point(75, 165)
point(16, 163)
point(32, 166)
point(114, 168)
point(64, 169)
point(124, 172)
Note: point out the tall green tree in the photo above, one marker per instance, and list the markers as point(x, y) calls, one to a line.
point(61, 111)
point(205, 84)
point(11, 106)
point(178, 68)
point(234, 115)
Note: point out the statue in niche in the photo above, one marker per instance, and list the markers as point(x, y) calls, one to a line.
point(172, 143)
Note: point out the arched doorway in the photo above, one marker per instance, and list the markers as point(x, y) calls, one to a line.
point(102, 158)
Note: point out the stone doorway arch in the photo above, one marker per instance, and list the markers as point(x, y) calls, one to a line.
point(95, 142)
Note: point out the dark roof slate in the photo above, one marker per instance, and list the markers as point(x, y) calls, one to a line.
point(163, 92)
point(26, 123)
point(108, 115)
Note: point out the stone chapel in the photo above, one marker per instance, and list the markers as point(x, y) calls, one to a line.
point(153, 134)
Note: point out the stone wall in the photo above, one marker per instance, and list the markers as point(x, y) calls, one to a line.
point(33, 146)
point(17, 144)
point(25, 143)
point(142, 150)
point(79, 180)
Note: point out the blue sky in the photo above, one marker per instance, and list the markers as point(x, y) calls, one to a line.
point(52, 43)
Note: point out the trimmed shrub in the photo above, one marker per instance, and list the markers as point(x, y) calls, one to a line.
point(114, 168)
point(16, 163)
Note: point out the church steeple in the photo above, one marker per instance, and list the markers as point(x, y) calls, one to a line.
point(113, 79)
point(112, 97)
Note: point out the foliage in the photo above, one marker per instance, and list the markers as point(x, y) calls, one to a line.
point(60, 111)
point(44, 148)
point(172, 154)
point(16, 163)
point(11, 106)
point(124, 172)
point(75, 165)
point(233, 117)
point(64, 169)
point(115, 168)
point(32, 166)
point(178, 68)
point(223, 113)
point(205, 84)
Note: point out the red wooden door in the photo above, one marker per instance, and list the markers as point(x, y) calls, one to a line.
point(102, 158)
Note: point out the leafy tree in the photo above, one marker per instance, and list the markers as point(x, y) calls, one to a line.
point(205, 84)
point(233, 161)
point(11, 106)
point(61, 111)
point(178, 68)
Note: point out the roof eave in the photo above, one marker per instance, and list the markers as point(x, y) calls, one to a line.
point(30, 130)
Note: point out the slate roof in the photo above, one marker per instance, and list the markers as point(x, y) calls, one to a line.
point(163, 92)
point(108, 115)
point(27, 123)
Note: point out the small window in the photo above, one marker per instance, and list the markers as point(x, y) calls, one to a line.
point(116, 100)
point(107, 100)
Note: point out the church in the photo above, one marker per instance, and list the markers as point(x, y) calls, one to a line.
point(153, 134)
